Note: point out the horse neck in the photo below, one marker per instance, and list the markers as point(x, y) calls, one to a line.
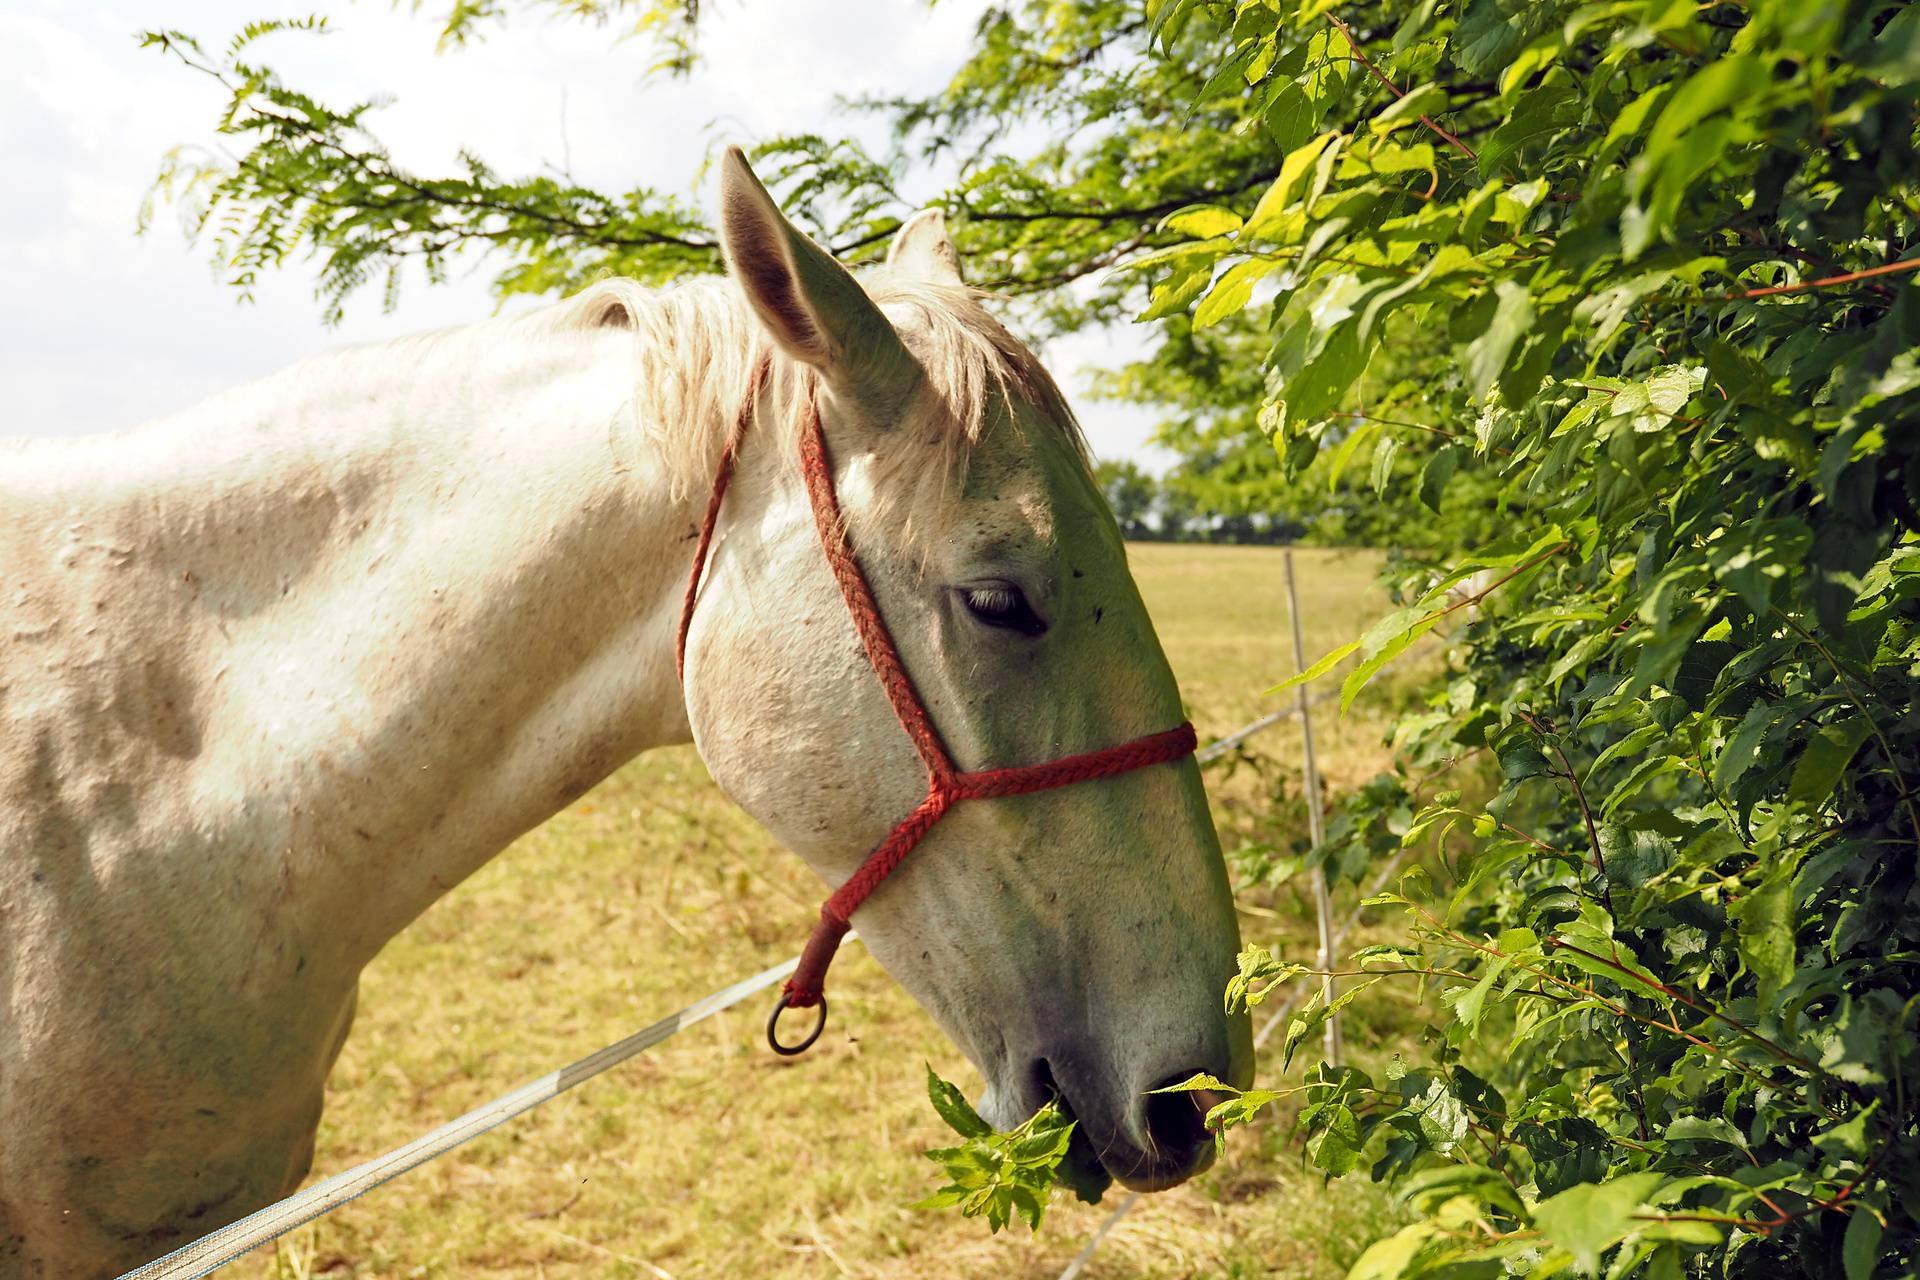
point(429, 598)
point(541, 657)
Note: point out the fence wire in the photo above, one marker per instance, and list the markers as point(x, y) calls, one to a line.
point(217, 1248)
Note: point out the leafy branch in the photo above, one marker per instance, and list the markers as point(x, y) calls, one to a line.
point(998, 1176)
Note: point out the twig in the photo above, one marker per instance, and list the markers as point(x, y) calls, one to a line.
point(1767, 1226)
point(1616, 1009)
point(1366, 62)
point(1442, 432)
point(558, 1209)
point(1681, 997)
point(1536, 842)
point(1884, 269)
point(603, 1251)
point(1470, 600)
point(1586, 813)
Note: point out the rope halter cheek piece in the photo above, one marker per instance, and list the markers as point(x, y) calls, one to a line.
point(947, 784)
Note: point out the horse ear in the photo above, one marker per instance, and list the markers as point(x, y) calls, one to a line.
point(924, 250)
point(810, 304)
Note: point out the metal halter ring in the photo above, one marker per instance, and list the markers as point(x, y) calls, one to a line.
point(773, 1028)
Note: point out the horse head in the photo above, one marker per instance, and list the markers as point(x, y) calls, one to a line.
point(1075, 941)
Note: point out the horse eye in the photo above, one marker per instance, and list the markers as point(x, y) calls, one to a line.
point(1002, 605)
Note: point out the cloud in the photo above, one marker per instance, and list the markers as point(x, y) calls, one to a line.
point(100, 329)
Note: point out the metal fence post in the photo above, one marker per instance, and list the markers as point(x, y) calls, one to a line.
point(1316, 818)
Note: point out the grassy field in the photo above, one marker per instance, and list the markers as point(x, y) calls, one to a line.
point(710, 1157)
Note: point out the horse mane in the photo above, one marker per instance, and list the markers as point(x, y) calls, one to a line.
point(697, 344)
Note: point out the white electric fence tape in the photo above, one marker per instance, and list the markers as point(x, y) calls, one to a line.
point(217, 1248)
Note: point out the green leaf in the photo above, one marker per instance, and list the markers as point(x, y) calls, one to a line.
point(1855, 1043)
point(1467, 1007)
point(1849, 1139)
point(1393, 1258)
point(1896, 58)
point(1860, 1248)
point(1487, 38)
point(1434, 476)
point(1280, 193)
point(1383, 457)
point(1715, 86)
point(1767, 928)
point(1634, 742)
point(1187, 281)
point(1229, 79)
point(1589, 945)
point(1828, 752)
point(1633, 856)
point(1705, 1129)
point(1327, 662)
point(1028, 1206)
point(1743, 748)
point(1487, 354)
point(1632, 119)
point(1540, 113)
point(1318, 388)
point(1591, 1218)
point(1231, 292)
point(1357, 437)
point(1358, 678)
point(944, 1198)
point(1336, 1148)
point(1436, 1114)
point(1197, 1081)
point(1523, 760)
point(1290, 118)
point(953, 1107)
point(1405, 111)
point(1393, 159)
point(1201, 221)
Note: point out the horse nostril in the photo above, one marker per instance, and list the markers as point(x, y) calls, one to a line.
point(1176, 1122)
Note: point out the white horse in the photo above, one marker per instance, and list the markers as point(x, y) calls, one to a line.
point(278, 672)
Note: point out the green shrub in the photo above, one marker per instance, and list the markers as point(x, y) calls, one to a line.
point(1669, 247)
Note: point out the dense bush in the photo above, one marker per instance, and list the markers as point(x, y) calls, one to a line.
point(1674, 960)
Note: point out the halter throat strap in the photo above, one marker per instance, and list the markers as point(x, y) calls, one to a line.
point(947, 784)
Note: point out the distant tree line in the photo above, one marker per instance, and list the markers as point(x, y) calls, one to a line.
point(1166, 508)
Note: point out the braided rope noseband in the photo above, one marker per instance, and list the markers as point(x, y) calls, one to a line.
point(947, 784)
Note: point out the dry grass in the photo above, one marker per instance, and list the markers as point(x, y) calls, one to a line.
point(710, 1157)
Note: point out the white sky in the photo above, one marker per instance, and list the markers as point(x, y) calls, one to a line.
point(100, 329)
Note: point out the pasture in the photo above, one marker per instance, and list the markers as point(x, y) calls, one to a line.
point(711, 1157)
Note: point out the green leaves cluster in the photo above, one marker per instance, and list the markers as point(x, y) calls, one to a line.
point(297, 177)
point(996, 1176)
point(312, 179)
point(1644, 273)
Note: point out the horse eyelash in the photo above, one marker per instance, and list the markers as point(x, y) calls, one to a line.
point(1004, 607)
point(994, 599)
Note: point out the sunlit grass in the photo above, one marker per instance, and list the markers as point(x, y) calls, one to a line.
point(711, 1157)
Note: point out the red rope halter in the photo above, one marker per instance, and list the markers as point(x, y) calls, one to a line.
point(947, 784)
